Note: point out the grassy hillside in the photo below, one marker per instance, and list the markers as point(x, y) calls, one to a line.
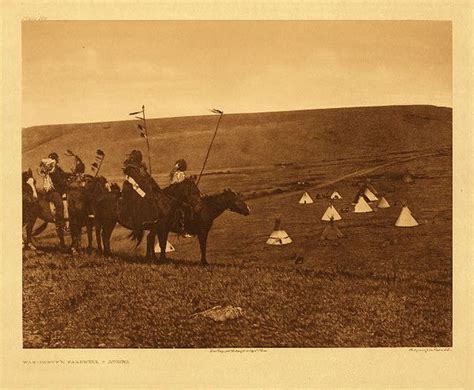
point(379, 286)
point(250, 139)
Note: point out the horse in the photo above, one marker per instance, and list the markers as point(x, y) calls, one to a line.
point(103, 201)
point(78, 210)
point(137, 213)
point(143, 205)
point(200, 221)
point(35, 206)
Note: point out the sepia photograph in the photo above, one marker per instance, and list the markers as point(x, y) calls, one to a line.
point(237, 184)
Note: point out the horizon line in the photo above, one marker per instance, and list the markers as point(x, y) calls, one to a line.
point(239, 113)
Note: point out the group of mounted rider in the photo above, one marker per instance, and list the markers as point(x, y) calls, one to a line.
point(93, 202)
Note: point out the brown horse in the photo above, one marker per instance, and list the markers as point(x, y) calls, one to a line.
point(103, 202)
point(35, 206)
point(78, 209)
point(199, 222)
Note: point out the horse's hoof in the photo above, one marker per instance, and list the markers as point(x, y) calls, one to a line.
point(74, 251)
point(89, 251)
point(204, 262)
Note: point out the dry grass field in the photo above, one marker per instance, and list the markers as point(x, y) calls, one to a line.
point(379, 286)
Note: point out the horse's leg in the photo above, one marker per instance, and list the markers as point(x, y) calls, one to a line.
point(57, 200)
point(90, 227)
point(202, 236)
point(29, 233)
point(60, 233)
point(163, 239)
point(98, 231)
point(150, 245)
point(106, 233)
point(75, 231)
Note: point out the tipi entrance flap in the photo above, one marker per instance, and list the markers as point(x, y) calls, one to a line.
point(306, 199)
point(331, 212)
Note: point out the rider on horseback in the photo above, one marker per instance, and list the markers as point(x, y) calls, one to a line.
point(185, 189)
point(135, 162)
point(177, 174)
point(54, 187)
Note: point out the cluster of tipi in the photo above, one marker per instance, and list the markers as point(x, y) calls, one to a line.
point(366, 196)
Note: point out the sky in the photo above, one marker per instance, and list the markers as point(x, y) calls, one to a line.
point(93, 71)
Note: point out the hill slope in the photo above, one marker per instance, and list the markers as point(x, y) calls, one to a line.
point(250, 139)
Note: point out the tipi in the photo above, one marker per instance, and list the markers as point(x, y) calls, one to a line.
point(336, 195)
point(306, 199)
point(367, 193)
point(331, 232)
point(383, 204)
point(370, 195)
point(278, 236)
point(405, 219)
point(169, 247)
point(331, 213)
point(362, 206)
point(369, 185)
point(408, 177)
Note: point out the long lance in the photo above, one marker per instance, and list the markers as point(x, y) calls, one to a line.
point(146, 137)
point(221, 113)
point(144, 132)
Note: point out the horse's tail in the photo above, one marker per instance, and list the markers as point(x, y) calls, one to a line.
point(40, 229)
point(136, 235)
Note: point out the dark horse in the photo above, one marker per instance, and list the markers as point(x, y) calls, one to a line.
point(35, 206)
point(198, 221)
point(103, 201)
point(78, 210)
point(159, 211)
point(138, 213)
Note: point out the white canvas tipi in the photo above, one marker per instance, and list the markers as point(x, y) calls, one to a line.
point(336, 195)
point(362, 206)
point(383, 204)
point(405, 219)
point(331, 212)
point(278, 236)
point(306, 199)
point(169, 247)
point(370, 195)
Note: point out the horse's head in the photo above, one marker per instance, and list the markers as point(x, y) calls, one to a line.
point(29, 182)
point(236, 203)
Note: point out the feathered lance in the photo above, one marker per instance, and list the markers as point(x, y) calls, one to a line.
point(100, 155)
point(143, 132)
point(215, 111)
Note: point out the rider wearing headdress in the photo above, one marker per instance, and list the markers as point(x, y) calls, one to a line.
point(54, 187)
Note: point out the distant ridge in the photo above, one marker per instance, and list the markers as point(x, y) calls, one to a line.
point(251, 138)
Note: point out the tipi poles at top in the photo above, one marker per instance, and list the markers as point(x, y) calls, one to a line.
point(215, 111)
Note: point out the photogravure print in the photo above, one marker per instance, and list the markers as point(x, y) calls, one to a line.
point(237, 184)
